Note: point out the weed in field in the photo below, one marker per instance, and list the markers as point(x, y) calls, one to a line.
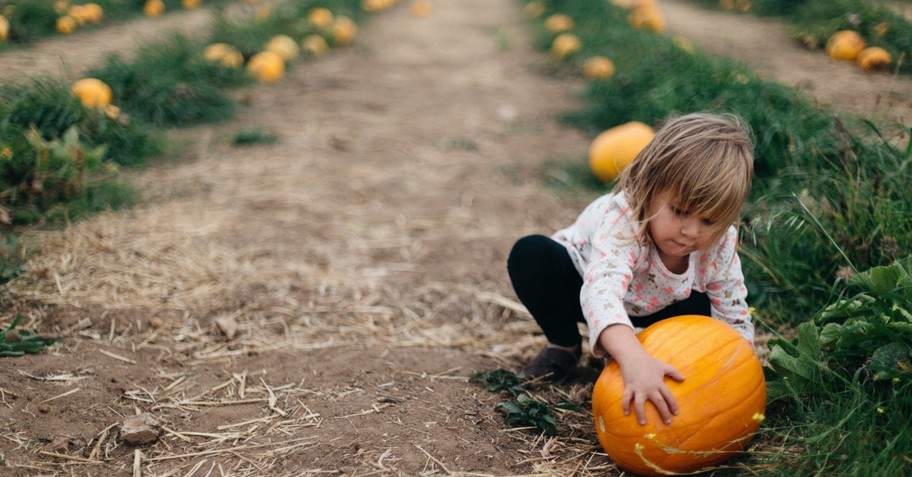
point(15, 342)
point(522, 410)
point(253, 136)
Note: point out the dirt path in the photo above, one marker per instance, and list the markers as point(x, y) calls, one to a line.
point(358, 265)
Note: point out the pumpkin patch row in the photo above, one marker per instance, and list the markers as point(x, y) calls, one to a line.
point(117, 108)
point(23, 21)
point(870, 34)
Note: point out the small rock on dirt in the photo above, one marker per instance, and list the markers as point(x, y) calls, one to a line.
point(140, 429)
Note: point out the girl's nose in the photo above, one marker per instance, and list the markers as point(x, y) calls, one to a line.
point(691, 227)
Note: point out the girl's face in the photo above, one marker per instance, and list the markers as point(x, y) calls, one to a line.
point(677, 232)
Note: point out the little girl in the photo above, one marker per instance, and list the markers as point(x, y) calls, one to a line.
point(661, 244)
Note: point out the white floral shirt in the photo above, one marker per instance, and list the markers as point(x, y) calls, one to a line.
point(623, 277)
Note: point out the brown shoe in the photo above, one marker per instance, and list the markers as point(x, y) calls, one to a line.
point(552, 364)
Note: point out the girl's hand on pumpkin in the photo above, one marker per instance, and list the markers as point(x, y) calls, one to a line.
point(644, 376)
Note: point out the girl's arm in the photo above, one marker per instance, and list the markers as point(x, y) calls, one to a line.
point(644, 376)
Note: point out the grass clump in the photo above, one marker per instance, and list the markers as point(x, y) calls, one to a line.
point(249, 137)
point(170, 84)
point(15, 342)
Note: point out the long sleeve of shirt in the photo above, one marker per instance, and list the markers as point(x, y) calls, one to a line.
point(624, 277)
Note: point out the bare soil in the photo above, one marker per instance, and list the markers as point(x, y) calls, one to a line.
point(315, 306)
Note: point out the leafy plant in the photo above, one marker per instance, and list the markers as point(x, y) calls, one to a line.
point(18, 342)
point(500, 381)
point(523, 410)
point(529, 412)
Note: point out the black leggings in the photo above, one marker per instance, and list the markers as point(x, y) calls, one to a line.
point(548, 284)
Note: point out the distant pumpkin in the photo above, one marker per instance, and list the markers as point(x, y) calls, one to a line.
point(344, 31)
point(873, 57)
point(647, 17)
point(559, 23)
point(845, 45)
point(314, 44)
point(92, 13)
point(224, 54)
point(320, 17)
point(598, 67)
point(266, 66)
point(4, 28)
point(93, 93)
point(565, 45)
point(285, 46)
point(615, 148)
point(191, 4)
point(66, 25)
point(154, 8)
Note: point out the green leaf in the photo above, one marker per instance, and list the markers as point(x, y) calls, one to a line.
point(500, 381)
point(891, 360)
point(799, 362)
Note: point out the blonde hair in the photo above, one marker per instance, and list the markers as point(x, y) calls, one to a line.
point(704, 161)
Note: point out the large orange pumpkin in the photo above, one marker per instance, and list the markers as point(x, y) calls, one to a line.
point(721, 400)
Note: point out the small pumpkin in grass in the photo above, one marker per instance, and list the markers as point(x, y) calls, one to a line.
point(344, 31)
point(615, 148)
point(647, 17)
point(266, 66)
point(598, 67)
point(224, 54)
point(721, 400)
point(558, 23)
point(845, 45)
point(873, 57)
point(154, 8)
point(78, 13)
point(191, 4)
point(534, 9)
point(4, 28)
point(565, 45)
point(314, 44)
point(320, 17)
point(66, 25)
point(93, 93)
point(284, 46)
point(92, 13)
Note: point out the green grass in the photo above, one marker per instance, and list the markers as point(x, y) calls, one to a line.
point(169, 83)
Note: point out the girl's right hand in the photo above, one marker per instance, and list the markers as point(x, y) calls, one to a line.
point(644, 380)
point(644, 376)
